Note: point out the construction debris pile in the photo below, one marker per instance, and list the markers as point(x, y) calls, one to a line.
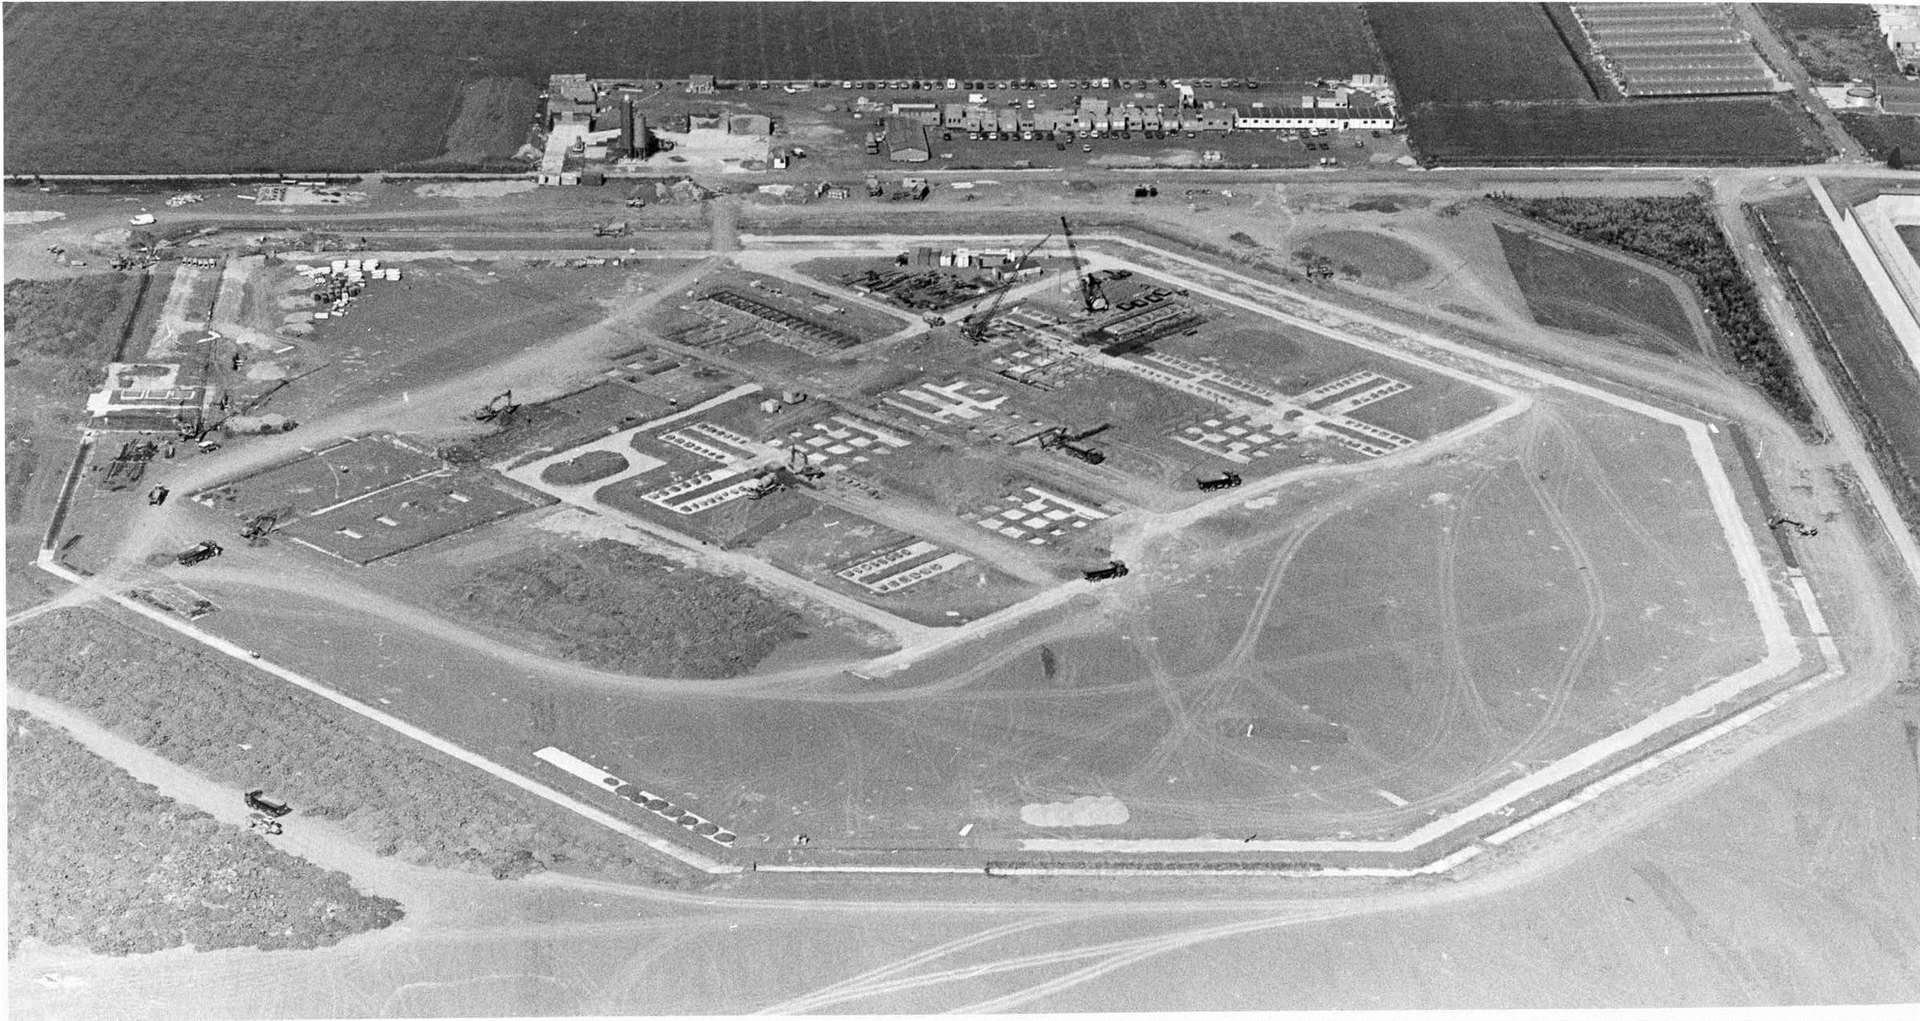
point(187, 198)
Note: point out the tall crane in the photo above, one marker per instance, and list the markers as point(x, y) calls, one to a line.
point(975, 327)
point(1090, 294)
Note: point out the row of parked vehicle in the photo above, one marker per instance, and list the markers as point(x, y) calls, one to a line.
point(1003, 84)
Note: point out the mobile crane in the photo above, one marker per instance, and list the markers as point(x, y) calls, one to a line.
point(1067, 443)
point(1091, 295)
point(974, 327)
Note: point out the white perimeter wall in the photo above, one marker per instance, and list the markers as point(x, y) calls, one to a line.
point(1882, 259)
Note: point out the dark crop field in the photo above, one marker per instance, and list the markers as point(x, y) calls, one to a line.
point(217, 87)
point(1449, 53)
point(1687, 131)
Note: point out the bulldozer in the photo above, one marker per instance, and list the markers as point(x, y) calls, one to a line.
point(1114, 569)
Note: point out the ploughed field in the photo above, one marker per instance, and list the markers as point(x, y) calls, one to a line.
point(1504, 83)
point(1509, 52)
point(208, 88)
point(1273, 671)
point(1706, 131)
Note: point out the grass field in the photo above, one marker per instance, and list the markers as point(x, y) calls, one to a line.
point(361, 86)
point(1834, 42)
point(79, 320)
point(1685, 131)
point(1571, 289)
point(1451, 53)
point(1862, 354)
point(137, 872)
point(323, 760)
point(1682, 233)
point(1882, 133)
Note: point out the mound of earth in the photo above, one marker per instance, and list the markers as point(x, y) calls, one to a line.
point(1371, 257)
point(591, 466)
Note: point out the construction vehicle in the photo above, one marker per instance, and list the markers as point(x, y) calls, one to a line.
point(1227, 480)
point(1091, 296)
point(273, 808)
point(205, 550)
point(1057, 438)
point(974, 327)
point(156, 496)
point(501, 404)
point(610, 229)
point(798, 471)
point(131, 463)
point(258, 525)
point(1114, 569)
point(192, 431)
point(1799, 528)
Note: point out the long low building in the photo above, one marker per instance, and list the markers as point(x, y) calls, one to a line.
point(1100, 117)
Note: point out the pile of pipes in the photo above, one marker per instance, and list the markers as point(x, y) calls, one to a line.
point(337, 284)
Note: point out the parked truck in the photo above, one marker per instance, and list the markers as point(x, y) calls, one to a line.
point(206, 550)
point(260, 802)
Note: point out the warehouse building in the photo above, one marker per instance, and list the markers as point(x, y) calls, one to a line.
point(906, 141)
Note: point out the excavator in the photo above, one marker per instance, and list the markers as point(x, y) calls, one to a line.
point(501, 404)
point(257, 526)
point(1799, 528)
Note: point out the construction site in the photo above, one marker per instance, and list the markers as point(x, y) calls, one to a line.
point(691, 509)
point(1050, 473)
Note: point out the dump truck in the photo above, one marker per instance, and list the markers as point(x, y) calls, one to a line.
point(1226, 480)
point(260, 802)
point(202, 551)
